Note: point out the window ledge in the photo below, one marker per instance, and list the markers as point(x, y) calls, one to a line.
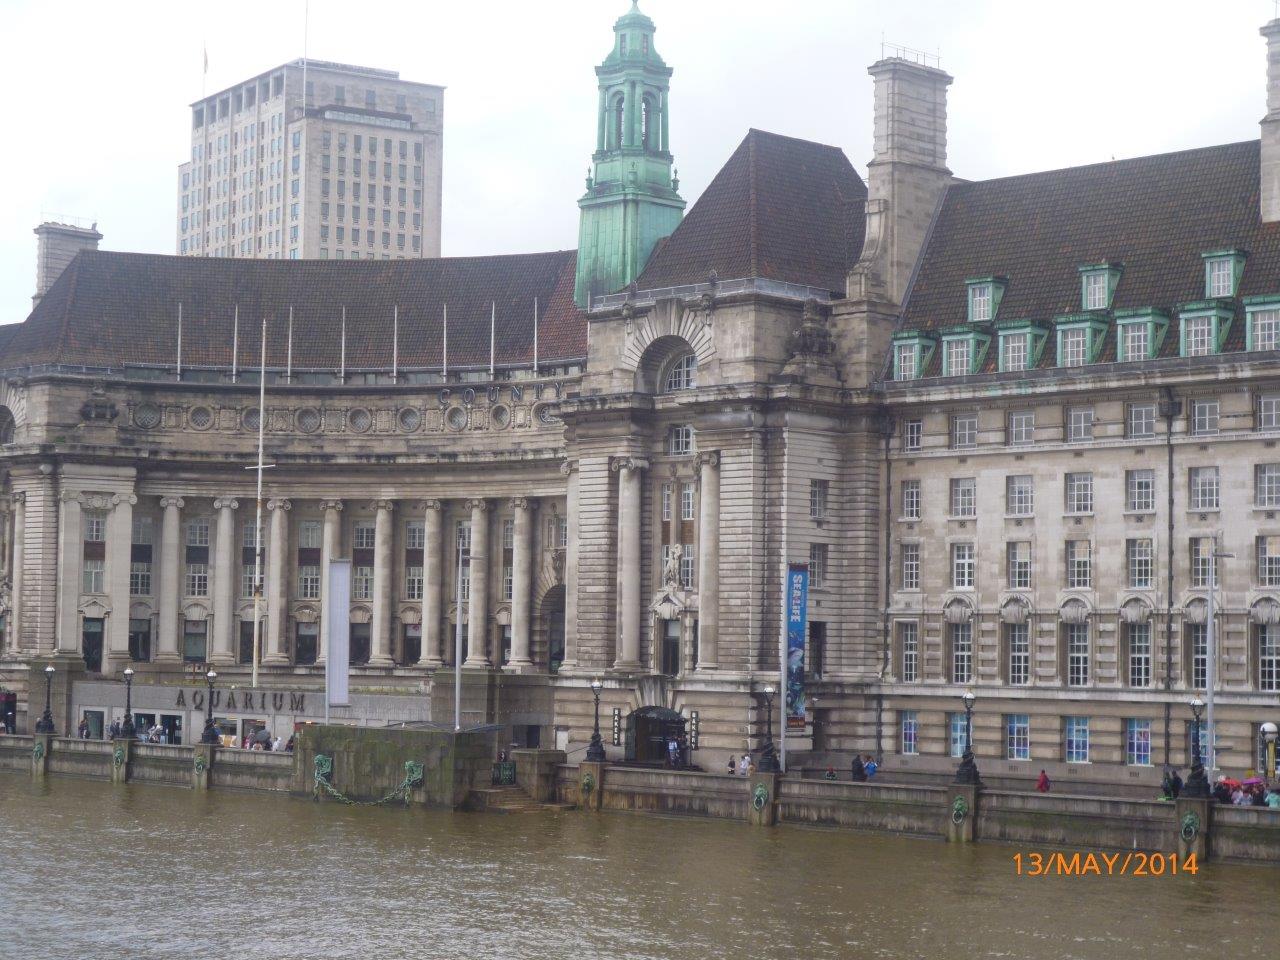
point(1086, 513)
point(908, 519)
point(1140, 513)
point(1019, 516)
point(962, 517)
point(1191, 510)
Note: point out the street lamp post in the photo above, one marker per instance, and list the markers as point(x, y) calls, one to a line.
point(127, 730)
point(768, 755)
point(1197, 784)
point(45, 723)
point(210, 734)
point(1269, 732)
point(967, 772)
point(595, 750)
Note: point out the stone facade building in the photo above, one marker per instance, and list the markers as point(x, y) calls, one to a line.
point(314, 160)
point(1001, 422)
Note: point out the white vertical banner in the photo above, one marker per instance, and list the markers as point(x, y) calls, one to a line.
point(338, 611)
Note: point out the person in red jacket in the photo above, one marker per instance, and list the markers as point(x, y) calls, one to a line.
point(1042, 782)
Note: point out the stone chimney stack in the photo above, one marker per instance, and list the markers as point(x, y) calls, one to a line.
point(1270, 186)
point(908, 173)
point(57, 247)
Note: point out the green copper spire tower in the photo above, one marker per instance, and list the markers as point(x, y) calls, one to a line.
point(631, 201)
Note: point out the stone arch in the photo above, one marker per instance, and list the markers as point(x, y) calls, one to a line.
point(657, 359)
point(549, 629)
point(655, 337)
point(7, 426)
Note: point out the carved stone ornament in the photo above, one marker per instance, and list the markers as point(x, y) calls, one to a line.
point(279, 503)
point(671, 570)
point(957, 611)
point(519, 503)
point(1015, 611)
point(1134, 612)
point(426, 505)
point(1265, 612)
point(477, 504)
point(1074, 612)
point(812, 338)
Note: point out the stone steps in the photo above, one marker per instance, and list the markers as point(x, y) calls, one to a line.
point(509, 799)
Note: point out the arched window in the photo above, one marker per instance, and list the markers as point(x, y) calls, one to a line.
point(618, 116)
point(6, 426)
point(683, 374)
point(646, 124)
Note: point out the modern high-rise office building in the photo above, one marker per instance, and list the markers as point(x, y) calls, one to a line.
point(314, 160)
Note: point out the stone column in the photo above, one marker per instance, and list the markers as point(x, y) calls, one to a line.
point(478, 609)
point(277, 582)
point(329, 548)
point(224, 591)
point(570, 470)
point(432, 582)
point(627, 655)
point(19, 549)
point(70, 555)
point(380, 632)
point(708, 560)
point(521, 583)
point(119, 559)
point(170, 557)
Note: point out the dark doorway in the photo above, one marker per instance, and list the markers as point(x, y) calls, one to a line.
point(553, 619)
point(412, 647)
point(650, 730)
point(306, 643)
point(359, 651)
point(140, 640)
point(91, 636)
point(246, 641)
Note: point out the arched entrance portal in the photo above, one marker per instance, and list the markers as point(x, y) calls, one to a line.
point(650, 730)
point(553, 626)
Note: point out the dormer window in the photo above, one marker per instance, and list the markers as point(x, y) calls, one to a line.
point(1262, 331)
point(963, 350)
point(984, 298)
point(1222, 272)
point(1021, 344)
point(1098, 285)
point(1139, 334)
point(1204, 329)
point(1079, 339)
point(911, 354)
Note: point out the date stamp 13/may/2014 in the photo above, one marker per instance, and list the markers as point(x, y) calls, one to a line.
point(1135, 863)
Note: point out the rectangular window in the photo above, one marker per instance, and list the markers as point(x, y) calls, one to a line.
point(1201, 561)
point(979, 302)
point(1079, 492)
point(1268, 657)
point(1018, 646)
point(1015, 351)
point(197, 580)
point(1076, 736)
point(913, 432)
point(961, 652)
point(964, 430)
point(1138, 637)
point(909, 643)
point(1022, 427)
point(1095, 290)
point(905, 361)
point(413, 582)
point(1079, 424)
point(686, 501)
point(198, 532)
point(1135, 341)
point(415, 535)
point(667, 490)
point(1140, 491)
point(1137, 742)
point(958, 730)
point(911, 499)
point(364, 535)
point(964, 497)
point(1017, 728)
point(1018, 562)
point(1197, 655)
point(1222, 279)
point(1077, 641)
point(508, 557)
point(958, 357)
point(817, 565)
point(1019, 495)
point(309, 582)
point(1268, 411)
point(1204, 417)
point(140, 578)
point(92, 576)
point(195, 638)
point(362, 583)
point(462, 553)
point(1140, 420)
point(1140, 561)
point(962, 566)
point(1074, 348)
point(818, 490)
point(910, 732)
point(1265, 330)
point(309, 534)
point(1268, 561)
point(1198, 336)
point(95, 527)
point(1204, 488)
point(1266, 485)
point(1079, 568)
point(911, 566)
point(680, 440)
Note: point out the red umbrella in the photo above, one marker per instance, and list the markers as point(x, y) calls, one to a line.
point(1232, 784)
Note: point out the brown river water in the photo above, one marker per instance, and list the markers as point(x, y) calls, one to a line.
point(92, 870)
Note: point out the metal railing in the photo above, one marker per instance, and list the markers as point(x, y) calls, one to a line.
point(722, 288)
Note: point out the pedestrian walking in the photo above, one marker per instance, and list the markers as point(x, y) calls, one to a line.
point(733, 765)
point(1042, 782)
point(857, 771)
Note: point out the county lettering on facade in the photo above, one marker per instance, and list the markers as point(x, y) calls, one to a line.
point(244, 700)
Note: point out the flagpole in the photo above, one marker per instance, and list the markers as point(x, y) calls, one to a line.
point(493, 318)
point(444, 367)
point(235, 344)
point(535, 336)
point(288, 363)
point(457, 644)
point(395, 344)
point(179, 340)
point(257, 553)
point(342, 372)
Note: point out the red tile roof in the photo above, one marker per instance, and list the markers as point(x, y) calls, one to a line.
point(109, 309)
point(1155, 215)
point(780, 208)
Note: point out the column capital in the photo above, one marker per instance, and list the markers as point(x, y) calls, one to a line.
point(711, 458)
point(128, 498)
point(425, 505)
point(327, 505)
point(175, 502)
point(19, 497)
point(519, 503)
point(382, 505)
point(628, 463)
point(478, 504)
point(279, 503)
point(568, 467)
point(226, 503)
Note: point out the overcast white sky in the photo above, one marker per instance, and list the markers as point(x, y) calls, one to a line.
point(96, 93)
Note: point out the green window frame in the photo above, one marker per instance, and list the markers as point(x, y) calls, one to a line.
point(1219, 326)
point(1036, 336)
point(1253, 308)
point(1094, 330)
point(922, 352)
point(983, 298)
point(1156, 323)
point(1214, 258)
point(1110, 273)
point(977, 350)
